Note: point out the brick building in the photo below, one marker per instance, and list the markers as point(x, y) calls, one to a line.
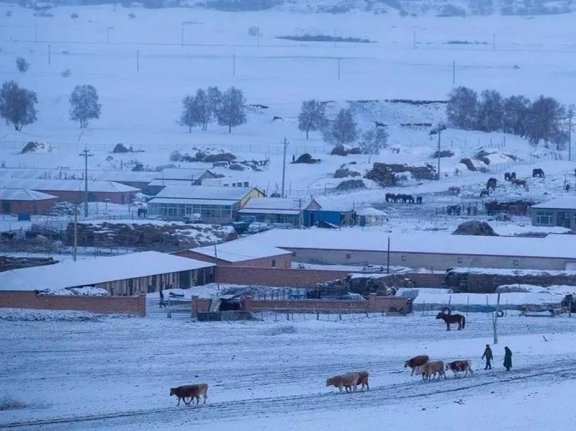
point(24, 201)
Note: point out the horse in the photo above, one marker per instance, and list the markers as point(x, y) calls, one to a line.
point(484, 193)
point(419, 200)
point(390, 197)
point(491, 184)
point(519, 183)
point(452, 318)
point(537, 173)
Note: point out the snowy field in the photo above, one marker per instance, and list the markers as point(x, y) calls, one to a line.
point(115, 373)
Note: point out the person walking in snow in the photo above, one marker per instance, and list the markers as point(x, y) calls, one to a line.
point(488, 356)
point(507, 358)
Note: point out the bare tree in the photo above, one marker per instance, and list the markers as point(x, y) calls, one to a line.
point(196, 111)
point(312, 116)
point(343, 130)
point(84, 104)
point(231, 111)
point(515, 115)
point(462, 108)
point(374, 140)
point(17, 105)
point(214, 101)
point(544, 121)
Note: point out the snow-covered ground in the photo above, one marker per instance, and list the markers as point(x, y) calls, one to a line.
point(115, 373)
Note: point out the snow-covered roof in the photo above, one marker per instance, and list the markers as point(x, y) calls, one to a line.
point(61, 174)
point(370, 212)
point(68, 185)
point(555, 246)
point(565, 203)
point(23, 195)
point(181, 174)
point(185, 201)
point(327, 205)
point(274, 204)
point(240, 250)
point(165, 183)
point(97, 270)
point(205, 192)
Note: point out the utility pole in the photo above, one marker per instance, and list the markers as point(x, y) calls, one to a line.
point(233, 64)
point(284, 167)
point(388, 258)
point(495, 320)
point(339, 59)
point(438, 130)
point(493, 41)
point(85, 154)
point(75, 233)
point(414, 40)
point(570, 115)
point(454, 72)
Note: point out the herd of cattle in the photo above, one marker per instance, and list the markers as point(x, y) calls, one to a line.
point(348, 382)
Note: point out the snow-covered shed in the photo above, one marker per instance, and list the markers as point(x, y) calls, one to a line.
point(126, 274)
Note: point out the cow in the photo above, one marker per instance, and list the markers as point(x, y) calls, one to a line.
point(416, 362)
point(347, 381)
point(460, 366)
point(537, 173)
point(491, 183)
point(431, 369)
point(190, 391)
point(363, 380)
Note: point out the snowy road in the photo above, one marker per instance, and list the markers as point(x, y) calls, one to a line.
point(116, 373)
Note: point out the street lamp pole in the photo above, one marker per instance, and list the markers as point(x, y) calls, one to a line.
point(85, 154)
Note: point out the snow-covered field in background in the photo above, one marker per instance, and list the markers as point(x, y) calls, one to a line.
point(78, 371)
point(115, 374)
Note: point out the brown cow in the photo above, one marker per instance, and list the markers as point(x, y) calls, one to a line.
point(430, 369)
point(347, 381)
point(363, 380)
point(459, 366)
point(190, 391)
point(416, 362)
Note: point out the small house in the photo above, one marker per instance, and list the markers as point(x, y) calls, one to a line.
point(24, 201)
point(329, 214)
point(555, 212)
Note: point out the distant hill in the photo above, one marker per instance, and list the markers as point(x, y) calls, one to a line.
point(440, 8)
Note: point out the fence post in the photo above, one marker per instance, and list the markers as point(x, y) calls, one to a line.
point(317, 315)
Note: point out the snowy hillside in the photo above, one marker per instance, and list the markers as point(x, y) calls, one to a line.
point(144, 61)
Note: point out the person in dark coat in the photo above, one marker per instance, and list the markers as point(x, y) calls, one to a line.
point(507, 358)
point(488, 356)
point(162, 303)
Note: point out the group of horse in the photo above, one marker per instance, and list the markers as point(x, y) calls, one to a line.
point(406, 199)
point(510, 177)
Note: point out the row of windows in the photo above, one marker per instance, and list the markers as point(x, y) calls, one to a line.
point(403, 258)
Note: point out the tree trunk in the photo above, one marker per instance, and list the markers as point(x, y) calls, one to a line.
point(307, 133)
point(189, 129)
point(229, 128)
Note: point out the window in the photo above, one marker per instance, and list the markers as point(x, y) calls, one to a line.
point(544, 218)
point(403, 258)
point(515, 262)
point(273, 263)
point(459, 260)
point(348, 255)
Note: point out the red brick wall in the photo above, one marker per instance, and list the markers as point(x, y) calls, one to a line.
point(281, 261)
point(31, 207)
point(374, 304)
point(96, 304)
point(277, 277)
